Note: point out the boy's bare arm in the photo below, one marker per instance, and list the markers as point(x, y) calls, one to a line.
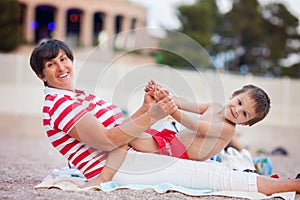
point(204, 128)
point(185, 120)
point(182, 104)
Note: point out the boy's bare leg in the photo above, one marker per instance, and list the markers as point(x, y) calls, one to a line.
point(268, 186)
point(145, 143)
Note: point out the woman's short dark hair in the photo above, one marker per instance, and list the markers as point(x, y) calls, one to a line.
point(46, 51)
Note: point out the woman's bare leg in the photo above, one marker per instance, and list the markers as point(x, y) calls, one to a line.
point(268, 186)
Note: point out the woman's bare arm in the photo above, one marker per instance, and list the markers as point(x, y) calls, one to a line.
point(91, 132)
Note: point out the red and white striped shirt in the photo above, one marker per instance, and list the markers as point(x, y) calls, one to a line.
point(62, 110)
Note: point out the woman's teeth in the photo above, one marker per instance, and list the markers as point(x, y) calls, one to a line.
point(63, 75)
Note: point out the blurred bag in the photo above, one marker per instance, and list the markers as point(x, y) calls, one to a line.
point(234, 159)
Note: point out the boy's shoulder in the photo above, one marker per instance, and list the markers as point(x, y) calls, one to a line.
point(215, 106)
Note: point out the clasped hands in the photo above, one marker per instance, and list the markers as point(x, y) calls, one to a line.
point(160, 102)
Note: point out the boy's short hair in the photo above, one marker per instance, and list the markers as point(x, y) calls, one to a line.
point(262, 101)
point(46, 51)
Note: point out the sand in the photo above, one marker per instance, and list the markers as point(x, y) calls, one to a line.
point(26, 157)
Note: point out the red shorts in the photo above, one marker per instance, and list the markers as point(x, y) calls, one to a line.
point(168, 144)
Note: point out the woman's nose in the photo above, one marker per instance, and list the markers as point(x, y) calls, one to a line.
point(60, 66)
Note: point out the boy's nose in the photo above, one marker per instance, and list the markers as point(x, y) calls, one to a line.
point(239, 109)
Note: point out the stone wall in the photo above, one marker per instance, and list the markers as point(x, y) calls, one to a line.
point(123, 83)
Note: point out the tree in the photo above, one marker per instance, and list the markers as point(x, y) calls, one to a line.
point(292, 71)
point(258, 36)
point(241, 29)
point(281, 27)
point(199, 22)
point(10, 29)
point(249, 38)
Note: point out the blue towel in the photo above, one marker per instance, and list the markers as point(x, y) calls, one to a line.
point(160, 188)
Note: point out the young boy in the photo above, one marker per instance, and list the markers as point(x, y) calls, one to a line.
point(212, 131)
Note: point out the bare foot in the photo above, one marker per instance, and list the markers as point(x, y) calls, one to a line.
point(91, 183)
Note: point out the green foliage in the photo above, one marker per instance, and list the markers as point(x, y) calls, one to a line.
point(292, 71)
point(199, 20)
point(252, 38)
point(173, 60)
point(10, 28)
point(178, 50)
point(260, 37)
point(243, 26)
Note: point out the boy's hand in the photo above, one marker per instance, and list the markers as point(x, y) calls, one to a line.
point(160, 94)
point(156, 91)
point(152, 85)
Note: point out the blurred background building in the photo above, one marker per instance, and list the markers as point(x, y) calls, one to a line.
point(81, 23)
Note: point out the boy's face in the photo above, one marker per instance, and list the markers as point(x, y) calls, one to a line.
point(240, 109)
point(58, 72)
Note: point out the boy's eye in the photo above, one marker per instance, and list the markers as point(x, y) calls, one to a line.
point(245, 114)
point(239, 102)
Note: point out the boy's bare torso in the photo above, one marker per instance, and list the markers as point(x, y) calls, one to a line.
point(201, 146)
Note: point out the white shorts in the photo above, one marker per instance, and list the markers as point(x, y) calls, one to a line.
point(144, 168)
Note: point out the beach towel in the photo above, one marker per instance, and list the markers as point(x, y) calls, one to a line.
point(69, 179)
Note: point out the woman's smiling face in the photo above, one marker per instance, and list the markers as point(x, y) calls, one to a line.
point(58, 72)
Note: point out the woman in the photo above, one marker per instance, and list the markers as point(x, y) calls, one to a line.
point(91, 134)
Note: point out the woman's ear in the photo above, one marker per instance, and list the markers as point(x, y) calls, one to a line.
point(42, 77)
point(231, 96)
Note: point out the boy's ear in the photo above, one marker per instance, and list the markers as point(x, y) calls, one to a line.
point(231, 96)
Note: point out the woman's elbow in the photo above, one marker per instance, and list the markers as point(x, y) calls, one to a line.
point(107, 147)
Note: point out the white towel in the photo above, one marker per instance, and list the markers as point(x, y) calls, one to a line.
point(69, 180)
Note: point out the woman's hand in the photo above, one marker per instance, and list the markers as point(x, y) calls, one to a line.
point(151, 89)
point(162, 108)
point(159, 92)
point(148, 99)
point(162, 103)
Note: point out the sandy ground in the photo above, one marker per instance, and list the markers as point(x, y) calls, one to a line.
point(26, 157)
